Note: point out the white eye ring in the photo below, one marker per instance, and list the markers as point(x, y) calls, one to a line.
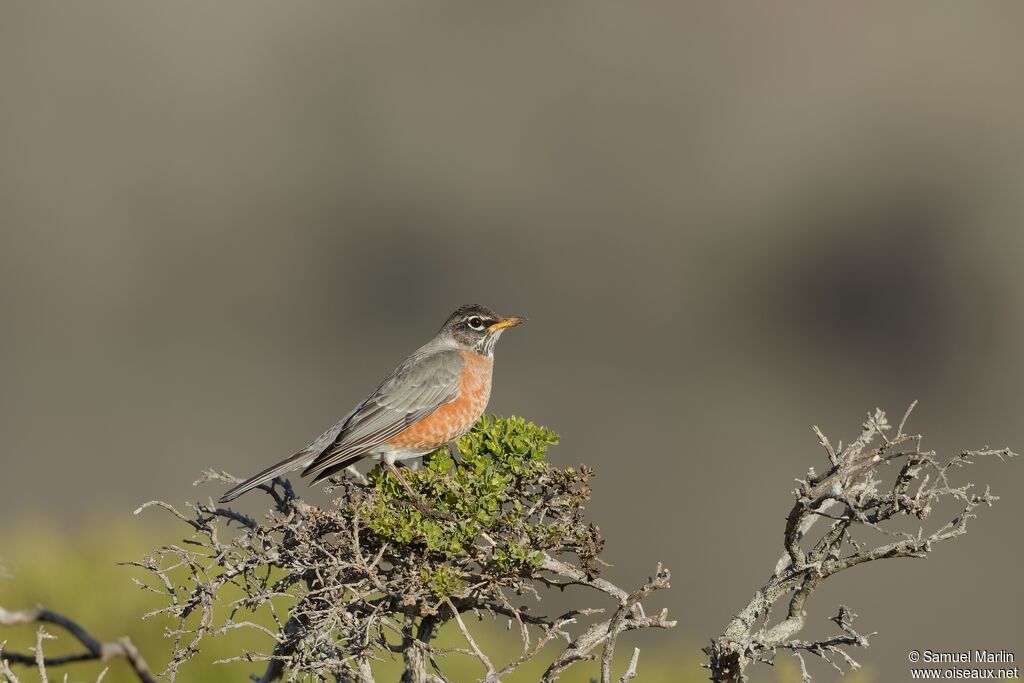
point(475, 322)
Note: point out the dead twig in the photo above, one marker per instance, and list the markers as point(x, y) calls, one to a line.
point(852, 496)
point(95, 649)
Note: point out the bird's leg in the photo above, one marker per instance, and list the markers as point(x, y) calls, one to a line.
point(414, 497)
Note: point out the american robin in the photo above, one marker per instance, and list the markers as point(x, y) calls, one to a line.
point(434, 396)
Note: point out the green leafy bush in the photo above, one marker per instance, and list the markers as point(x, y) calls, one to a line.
point(375, 576)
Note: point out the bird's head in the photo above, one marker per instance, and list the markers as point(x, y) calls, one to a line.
point(477, 328)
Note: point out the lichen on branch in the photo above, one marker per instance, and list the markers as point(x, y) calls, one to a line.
point(372, 577)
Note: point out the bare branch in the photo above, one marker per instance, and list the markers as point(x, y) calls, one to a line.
point(95, 649)
point(853, 484)
point(630, 672)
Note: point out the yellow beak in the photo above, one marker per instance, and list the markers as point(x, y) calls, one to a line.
point(506, 322)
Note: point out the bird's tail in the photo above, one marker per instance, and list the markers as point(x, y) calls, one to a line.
point(300, 459)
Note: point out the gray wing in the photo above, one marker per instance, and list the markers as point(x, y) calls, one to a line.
point(418, 387)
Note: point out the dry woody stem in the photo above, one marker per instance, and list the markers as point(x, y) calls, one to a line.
point(840, 519)
point(94, 648)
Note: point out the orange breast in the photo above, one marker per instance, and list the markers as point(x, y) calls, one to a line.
point(452, 419)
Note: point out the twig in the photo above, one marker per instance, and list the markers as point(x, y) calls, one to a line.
point(853, 482)
point(95, 649)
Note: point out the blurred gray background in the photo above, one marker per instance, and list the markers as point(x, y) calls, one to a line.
point(221, 224)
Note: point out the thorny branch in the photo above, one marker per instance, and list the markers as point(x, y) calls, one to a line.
point(852, 495)
point(95, 649)
point(335, 590)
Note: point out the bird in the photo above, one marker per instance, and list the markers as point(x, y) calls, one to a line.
point(434, 396)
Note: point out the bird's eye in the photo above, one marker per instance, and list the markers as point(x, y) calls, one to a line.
point(475, 322)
